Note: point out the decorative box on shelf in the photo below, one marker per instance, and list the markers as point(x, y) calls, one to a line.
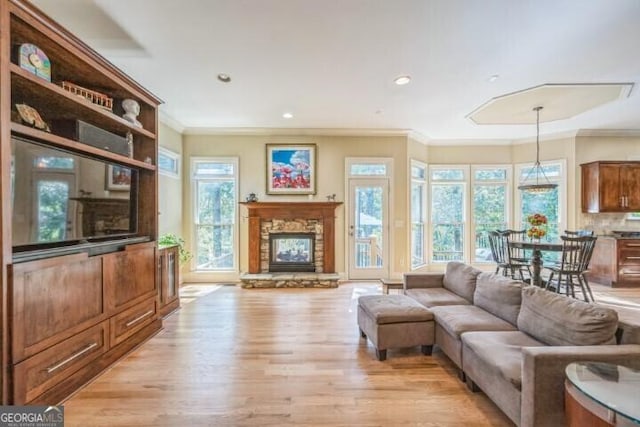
point(91, 135)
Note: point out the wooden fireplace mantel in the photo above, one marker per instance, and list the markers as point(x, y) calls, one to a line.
point(292, 210)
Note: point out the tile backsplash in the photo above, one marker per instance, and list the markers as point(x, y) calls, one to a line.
point(604, 223)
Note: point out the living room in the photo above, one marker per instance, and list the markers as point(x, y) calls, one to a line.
point(401, 150)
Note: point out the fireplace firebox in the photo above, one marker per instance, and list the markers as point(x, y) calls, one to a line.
point(292, 252)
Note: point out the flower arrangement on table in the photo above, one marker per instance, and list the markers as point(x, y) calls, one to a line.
point(538, 226)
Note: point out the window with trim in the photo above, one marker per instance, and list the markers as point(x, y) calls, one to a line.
point(215, 202)
point(490, 206)
point(418, 216)
point(448, 212)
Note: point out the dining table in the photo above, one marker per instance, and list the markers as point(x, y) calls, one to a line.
point(536, 248)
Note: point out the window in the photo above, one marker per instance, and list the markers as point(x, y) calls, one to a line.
point(168, 163)
point(491, 189)
point(368, 169)
point(448, 218)
point(418, 217)
point(215, 201)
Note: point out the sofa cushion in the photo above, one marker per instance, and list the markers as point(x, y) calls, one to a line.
point(499, 295)
point(385, 309)
point(500, 352)
point(456, 319)
point(460, 279)
point(559, 320)
point(432, 297)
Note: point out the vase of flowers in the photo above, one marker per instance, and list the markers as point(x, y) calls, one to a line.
point(538, 227)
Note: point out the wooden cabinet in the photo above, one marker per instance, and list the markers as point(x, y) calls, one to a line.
point(168, 279)
point(615, 262)
point(610, 187)
point(69, 317)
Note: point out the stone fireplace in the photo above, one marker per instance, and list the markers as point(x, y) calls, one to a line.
point(291, 244)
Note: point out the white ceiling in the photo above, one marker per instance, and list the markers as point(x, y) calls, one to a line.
point(332, 62)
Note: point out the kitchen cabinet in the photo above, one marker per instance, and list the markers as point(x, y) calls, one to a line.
point(609, 186)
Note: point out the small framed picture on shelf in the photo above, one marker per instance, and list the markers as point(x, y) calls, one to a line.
point(291, 169)
point(118, 178)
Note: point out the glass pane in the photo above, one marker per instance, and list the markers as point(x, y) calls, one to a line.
point(417, 204)
point(546, 204)
point(489, 203)
point(167, 163)
point(448, 242)
point(369, 169)
point(490, 175)
point(417, 172)
point(447, 203)
point(447, 174)
point(214, 247)
point(368, 227)
point(53, 162)
point(447, 216)
point(216, 202)
point(52, 210)
point(417, 245)
point(551, 171)
point(213, 168)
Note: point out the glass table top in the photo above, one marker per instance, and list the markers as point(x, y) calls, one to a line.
point(615, 387)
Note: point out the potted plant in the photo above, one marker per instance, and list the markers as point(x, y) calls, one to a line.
point(173, 240)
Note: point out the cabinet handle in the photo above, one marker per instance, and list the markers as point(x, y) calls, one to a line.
point(139, 318)
point(633, 245)
point(71, 358)
point(633, 257)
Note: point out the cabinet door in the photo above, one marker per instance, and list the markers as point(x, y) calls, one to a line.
point(630, 186)
point(129, 276)
point(610, 197)
point(53, 299)
point(171, 286)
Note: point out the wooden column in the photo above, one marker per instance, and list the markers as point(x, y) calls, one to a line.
point(324, 211)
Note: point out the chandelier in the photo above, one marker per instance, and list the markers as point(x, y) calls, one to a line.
point(536, 181)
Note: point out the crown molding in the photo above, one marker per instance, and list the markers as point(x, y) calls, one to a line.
point(469, 142)
point(170, 121)
point(609, 132)
point(295, 131)
point(419, 137)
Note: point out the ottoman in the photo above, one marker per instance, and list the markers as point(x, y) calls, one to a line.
point(395, 321)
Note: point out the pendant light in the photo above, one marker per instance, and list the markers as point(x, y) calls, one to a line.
point(542, 183)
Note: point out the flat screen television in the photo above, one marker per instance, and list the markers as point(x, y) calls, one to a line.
point(60, 199)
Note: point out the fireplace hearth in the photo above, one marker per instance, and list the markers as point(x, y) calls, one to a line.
point(292, 252)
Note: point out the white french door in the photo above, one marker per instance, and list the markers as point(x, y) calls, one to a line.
point(368, 228)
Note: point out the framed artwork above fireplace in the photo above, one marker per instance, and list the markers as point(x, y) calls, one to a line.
point(291, 168)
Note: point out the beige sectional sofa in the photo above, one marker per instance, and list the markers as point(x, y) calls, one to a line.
point(513, 341)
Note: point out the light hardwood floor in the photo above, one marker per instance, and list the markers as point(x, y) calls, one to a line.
point(251, 357)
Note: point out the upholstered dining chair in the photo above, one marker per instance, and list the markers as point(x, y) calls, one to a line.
point(570, 272)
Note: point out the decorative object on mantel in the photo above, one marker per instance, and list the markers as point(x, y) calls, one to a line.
point(331, 197)
point(538, 226)
point(31, 117)
point(291, 169)
point(251, 198)
point(536, 171)
point(148, 160)
point(34, 60)
point(131, 111)
point(97, 98)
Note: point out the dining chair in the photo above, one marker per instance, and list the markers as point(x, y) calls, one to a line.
point(578, 233)
point(502, 255)
point(570, 272)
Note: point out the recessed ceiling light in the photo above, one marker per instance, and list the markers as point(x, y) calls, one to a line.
point(224, 78)
point(402, 80)
point(493, 78)
point(287, 115)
